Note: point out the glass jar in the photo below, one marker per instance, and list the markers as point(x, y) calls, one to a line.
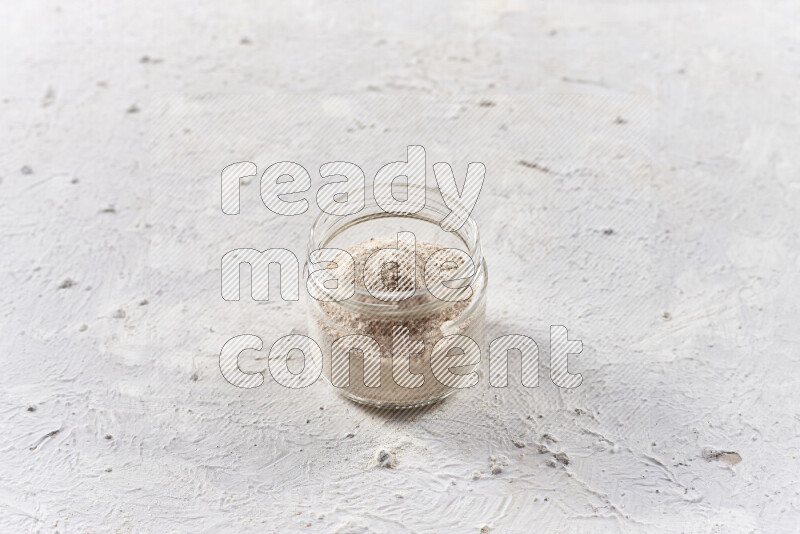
point(403, 367)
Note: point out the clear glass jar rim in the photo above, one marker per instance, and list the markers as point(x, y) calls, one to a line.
point(327, 226)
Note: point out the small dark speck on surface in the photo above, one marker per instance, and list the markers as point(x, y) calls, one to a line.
point(562, 458)
point(245, 41)
point(308, 421)
point(487, 104)
point(666, 316)
point(108, 469)
point(620, 120)
point(109, 436)
point(26, 170)
point(532, 165)
point(194, 377)
point(49, 97)
point(484, 529)
point(608, 231)
point(549, 437)
point(109, 209)
point(145, 302)
point(350, 436)
point(384, 458)
point(74, 181)
point(729, 457)
point(119, 314)
point(133, 109)
point(66, 284)
point(31, 408)
point(148, 59)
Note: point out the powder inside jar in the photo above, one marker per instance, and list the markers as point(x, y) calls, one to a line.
point(426, 318)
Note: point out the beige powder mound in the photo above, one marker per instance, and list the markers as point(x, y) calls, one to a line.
point(426, 317)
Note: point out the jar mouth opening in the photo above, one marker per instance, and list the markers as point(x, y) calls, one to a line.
point(327, 227)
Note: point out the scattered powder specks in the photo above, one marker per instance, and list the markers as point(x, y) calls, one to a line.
point(497, 463)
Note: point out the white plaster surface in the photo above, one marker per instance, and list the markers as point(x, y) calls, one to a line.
point(656, 217)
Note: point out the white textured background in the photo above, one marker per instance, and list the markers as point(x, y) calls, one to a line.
point(674, 125)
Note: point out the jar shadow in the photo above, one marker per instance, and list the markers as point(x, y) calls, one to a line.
point(400, 414)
